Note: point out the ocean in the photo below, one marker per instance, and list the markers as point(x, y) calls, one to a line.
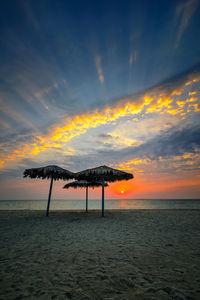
point(96, 204)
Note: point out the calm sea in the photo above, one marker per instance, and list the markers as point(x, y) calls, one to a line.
point(96, 204)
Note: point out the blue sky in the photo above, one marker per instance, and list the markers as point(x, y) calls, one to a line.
point(85, 83)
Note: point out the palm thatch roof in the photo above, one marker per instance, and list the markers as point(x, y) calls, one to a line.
point(83, 184)
point(103, 173)
point(54, 172)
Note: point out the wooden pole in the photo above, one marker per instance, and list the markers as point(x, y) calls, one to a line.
point(102, 213)
point(49, 198)
point(87, 199)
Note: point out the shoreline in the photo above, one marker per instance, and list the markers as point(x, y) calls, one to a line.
point(79, 205)
point(90, 211)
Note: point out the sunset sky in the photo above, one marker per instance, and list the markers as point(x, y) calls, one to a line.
point(89, 83)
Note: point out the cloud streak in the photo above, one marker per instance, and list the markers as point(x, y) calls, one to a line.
point(184, 11)
point(99, 68)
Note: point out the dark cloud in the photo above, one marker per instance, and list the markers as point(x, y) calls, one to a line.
point(104, 136)
point(173, 142)
point(170, 143)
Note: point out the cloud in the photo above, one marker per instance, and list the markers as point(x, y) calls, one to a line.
point(159, 100)
point(171, 151)
point(99, 68)
point(174, 150)
point(184, 11)
point(133, 57)
point(169, 144)
point(4, 124)
point(9, 113)
point(26, 5)
point(189, 161)
point(179, 141)
point(104, 136)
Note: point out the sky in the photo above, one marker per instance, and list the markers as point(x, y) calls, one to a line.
point(90, 83)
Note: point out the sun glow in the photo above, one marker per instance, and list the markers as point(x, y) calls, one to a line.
point(122, 189)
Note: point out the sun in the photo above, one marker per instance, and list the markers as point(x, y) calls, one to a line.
point(122, 192)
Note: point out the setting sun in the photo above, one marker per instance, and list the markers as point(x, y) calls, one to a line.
point(121, 189)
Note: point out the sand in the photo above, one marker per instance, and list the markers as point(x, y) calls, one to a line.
point(141, 254)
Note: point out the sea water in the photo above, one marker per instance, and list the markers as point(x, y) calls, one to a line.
point(96, 204)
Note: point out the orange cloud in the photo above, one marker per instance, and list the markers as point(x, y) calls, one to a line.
point(192, 81)
point(192, 93)
point(140, 165)
point(151, 102)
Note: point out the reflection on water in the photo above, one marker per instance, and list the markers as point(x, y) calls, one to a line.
point(96, 204)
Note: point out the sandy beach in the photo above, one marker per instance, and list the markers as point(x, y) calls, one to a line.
point(141, 254)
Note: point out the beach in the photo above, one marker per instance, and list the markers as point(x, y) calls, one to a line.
point(128, 254)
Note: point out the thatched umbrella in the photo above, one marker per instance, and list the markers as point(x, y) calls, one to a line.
point(83, 184)
point(103, 173)
point(49, 172)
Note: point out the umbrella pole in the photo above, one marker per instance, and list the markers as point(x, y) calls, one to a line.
point(49, 198)
point(102, 212)
point(86, 198)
